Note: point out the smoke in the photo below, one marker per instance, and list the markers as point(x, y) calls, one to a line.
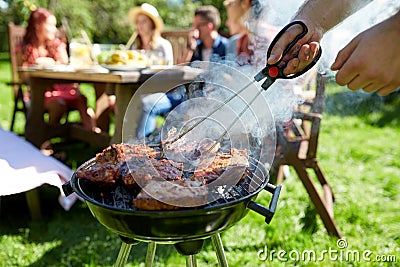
point(279, 13)
point(282, 96)
point(238, 107)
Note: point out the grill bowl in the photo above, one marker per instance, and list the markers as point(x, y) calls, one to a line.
point(176, 225)
point(169, 226)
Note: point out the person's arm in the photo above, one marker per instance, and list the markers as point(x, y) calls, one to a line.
point(326, 14)
point(190, 47)
point(61, 56)
point(319, 16)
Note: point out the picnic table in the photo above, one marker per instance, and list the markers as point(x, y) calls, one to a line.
point(126, 83)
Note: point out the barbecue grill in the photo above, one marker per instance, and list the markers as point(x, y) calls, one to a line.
point(186, 228)
point(232, 125)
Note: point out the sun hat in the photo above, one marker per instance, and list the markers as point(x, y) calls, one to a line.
point(149, 11)
point(228, 2)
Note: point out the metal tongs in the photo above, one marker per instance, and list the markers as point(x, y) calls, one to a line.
point(270, 72)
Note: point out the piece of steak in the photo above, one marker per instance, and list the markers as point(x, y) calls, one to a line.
point(171, 195)
point(127, 151)
point(141, 169)
point(104, 173)
point(221, 161)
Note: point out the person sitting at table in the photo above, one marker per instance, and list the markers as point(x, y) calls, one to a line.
point(40, 46)
point(206, 44)
point(149, 26)
point(204, 41)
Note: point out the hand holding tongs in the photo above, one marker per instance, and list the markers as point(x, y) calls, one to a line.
point(275, 71)
point(271, 72)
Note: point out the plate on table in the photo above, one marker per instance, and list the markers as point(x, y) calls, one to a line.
point(58, 67)
point(157, 68)
point(32, 67)
point(92, 69)
point(123, 67)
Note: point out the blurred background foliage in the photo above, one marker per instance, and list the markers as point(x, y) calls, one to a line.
point(104, 21)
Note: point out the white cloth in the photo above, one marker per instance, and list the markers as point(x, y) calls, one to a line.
point(23, 167)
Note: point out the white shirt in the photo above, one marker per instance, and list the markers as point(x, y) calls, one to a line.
point(206, 54)
point(163, 50)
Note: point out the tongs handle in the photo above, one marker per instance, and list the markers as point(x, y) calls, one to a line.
point(275, 71)
point(269, 212)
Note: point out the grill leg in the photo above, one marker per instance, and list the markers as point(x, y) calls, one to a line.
point(219, 249)
point(151, 251)
point(123, 254)
point(191, 261)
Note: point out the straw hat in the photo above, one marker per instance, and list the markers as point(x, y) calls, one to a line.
point(228, 2)
point(149, 11)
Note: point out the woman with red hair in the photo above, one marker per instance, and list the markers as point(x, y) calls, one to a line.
point(41, 46)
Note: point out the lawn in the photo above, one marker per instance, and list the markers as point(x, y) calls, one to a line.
point(358, 150)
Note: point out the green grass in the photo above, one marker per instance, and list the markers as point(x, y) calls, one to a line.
point(358, 151)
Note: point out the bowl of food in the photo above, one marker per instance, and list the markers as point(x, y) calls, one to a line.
point(101, 52)
point(120, 60)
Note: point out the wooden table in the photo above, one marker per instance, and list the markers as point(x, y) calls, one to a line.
point(125, 82)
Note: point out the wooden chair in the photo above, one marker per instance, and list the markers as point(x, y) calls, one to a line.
point(178, 40)
point(16, 34)
point(297, 147)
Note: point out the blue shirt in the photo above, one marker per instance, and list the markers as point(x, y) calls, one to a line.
point(218, 50)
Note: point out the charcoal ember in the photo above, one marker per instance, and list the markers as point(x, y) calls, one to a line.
point(234, 193)
point(239, 190)
point(122, 198)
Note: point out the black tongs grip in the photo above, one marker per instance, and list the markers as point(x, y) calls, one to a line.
point(275, 71)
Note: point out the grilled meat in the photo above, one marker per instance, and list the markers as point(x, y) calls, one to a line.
point(141, 169)
point(221, 161)
point(171, 195)
point(163, 184)
point(104, 174)
point(129, 151)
